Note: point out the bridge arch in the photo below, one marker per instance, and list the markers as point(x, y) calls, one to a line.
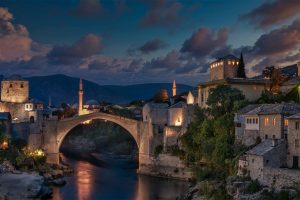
point(66, 125)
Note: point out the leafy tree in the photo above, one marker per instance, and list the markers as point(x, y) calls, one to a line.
point(270, 97)
point(294, 94)
point(209, 140)
point(222, 99)
point(241, 68)
point(161, 96)
point(276, 77)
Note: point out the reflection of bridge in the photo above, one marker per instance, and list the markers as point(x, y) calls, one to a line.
point(55, 131)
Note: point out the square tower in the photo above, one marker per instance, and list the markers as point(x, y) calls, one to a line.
point(225, 67)
point(14, 89)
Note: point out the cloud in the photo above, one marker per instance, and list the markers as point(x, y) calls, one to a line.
point(273, 12)
point(85, 47)
point(204, 41)
point(88, 8)
point(148, 47)
point(161, 13)
point(14, 39)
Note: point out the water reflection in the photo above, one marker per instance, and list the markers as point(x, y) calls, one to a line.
point(115, 183)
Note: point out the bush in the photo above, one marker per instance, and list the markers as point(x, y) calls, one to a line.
point(158, 150)
point(174, 150)
point(253, 187)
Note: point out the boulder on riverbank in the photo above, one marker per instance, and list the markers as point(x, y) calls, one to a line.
point(23, 186)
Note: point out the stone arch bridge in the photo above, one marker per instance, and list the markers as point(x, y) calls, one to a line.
point(54, 131)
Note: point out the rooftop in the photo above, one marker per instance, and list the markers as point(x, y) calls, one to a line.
point(283, 108)
point(230, 56)
point(179, 104)
point(244, 81)
point(263, 148)
point(296, 116)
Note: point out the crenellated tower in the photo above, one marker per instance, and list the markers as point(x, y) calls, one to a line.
point(80, 97)
point(174, 88)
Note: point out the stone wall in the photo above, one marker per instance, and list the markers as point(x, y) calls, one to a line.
point(280, 177)
point(171, 135)
point(14, 91)
point(293, 136)
point(165, 166)
point(21, 130)
point(271, 130)
point(216, 73)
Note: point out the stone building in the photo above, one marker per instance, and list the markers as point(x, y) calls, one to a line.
point(260, 122)
point(223, 71)
point(15, 100)
point(293, 139)
point(269, 153)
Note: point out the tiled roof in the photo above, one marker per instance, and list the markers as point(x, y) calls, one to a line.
point(263, 148)
point(179, 104)
point(242, 81)
point(284, 109)
point(157, 105)
point(296, 116)
point(248, 108)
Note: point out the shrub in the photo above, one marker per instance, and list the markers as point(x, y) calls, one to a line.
point(158, 150)
point(253, 187)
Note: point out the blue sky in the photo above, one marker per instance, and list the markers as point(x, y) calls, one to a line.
point(136, 41)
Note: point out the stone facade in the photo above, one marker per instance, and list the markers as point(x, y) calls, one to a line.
point(156, 113)
point(251, 89)
point(224, 68)
point(293, 139)
point(14, 90)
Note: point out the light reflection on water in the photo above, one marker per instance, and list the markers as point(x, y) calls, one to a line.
point(90, 182)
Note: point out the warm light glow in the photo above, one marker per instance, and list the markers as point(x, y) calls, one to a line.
point(286, 122)
point(266, 121)
point(178, 122)
point(4, 145)
point(33, 153)
point(87, 122)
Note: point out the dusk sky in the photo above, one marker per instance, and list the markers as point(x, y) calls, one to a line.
point(142, 41)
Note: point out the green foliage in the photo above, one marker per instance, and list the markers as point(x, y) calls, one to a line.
point(209, 140)
point(137, 103)
point(158, 150)
point(241, 68)
point(270, 97)
point(294, 94)
point(253, 187)
point(174, 150)
point(282, 195)
point(223, 99)
point(122, 112)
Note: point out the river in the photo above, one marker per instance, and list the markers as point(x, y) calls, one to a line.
point(118, 180)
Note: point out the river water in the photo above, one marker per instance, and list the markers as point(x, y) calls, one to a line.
point(118, 180)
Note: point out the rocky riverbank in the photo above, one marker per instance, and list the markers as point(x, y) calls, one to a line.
point(15, 184)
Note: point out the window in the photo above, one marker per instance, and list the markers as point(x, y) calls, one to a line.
point(229, 62)
point(256, 120)
point(296, 143)
point(297, 125)
point(266, 121)
point(22, 85)
point(286, 122)
point(10, 85)
point(266, 136)
point(274, 121)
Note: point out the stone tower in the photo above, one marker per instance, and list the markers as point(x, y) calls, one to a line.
point(80, 98)
point(223, 68)
point(174, 88)
point(14, 89)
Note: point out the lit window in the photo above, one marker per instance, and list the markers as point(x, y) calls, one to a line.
point(286, 122)
point(233, 62)
point(237, 63)
point(229, 62)
point(274, 121)
point(266, 121)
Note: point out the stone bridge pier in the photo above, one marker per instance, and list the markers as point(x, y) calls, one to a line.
point(54, 132)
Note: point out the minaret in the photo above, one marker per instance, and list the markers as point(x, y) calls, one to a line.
point(174, 88)
point(80, 95)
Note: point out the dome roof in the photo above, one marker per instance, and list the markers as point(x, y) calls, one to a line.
point(91, 102)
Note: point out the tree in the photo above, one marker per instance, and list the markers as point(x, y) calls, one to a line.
point(161, 96)
point(276, 77)
point(241, 68)
point(222, 99)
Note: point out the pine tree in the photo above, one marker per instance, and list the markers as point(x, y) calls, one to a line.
point(241, 68)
